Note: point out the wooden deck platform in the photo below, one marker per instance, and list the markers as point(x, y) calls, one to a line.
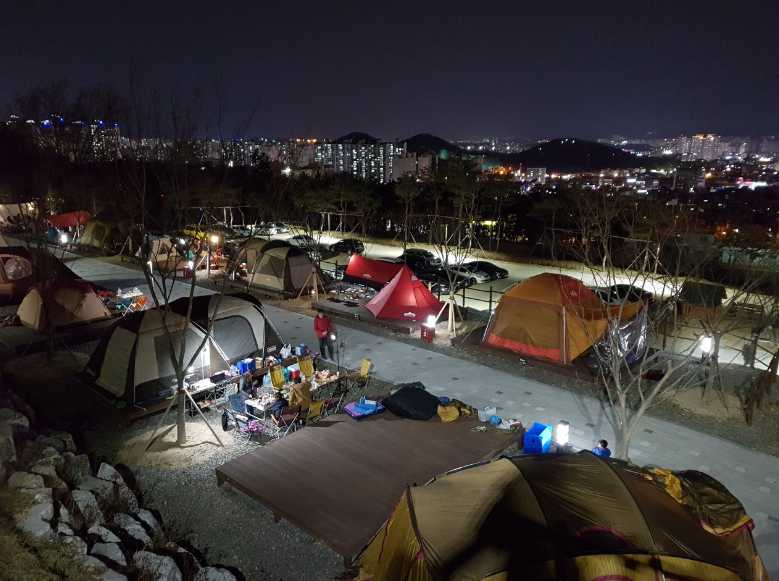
point(340, 479)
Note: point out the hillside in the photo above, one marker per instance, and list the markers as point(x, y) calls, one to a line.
point(572, 154)
point(424, 143)
point(357, 137)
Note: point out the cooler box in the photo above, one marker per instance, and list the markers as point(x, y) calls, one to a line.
point(246, 365)
point(538, 439)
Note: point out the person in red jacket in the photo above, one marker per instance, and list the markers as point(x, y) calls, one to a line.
point(323, 327)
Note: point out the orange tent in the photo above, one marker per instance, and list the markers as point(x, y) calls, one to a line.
point(551, 316)
point(405, 298)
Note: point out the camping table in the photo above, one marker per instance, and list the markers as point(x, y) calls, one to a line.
point(209, 392)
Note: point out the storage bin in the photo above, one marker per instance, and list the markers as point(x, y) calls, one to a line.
point(538, 439)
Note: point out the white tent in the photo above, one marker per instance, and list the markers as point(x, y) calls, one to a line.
point(60, 305)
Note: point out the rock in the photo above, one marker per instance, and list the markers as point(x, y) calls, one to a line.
point(65, 517)
point(34, 520)
point(186, 561)
point(100, 570)
point(159, 567)
point(3, 474)
point(17, 421)
point(133, 528)
point(67, 440)
point(76, 468)
point(25, 480)
point(214, 574)
point(151, 522)
point(111, 551)
point(63, 529)
point(49, 442)
point(78, 544)
point(103, 534)
point(50, 477)
point(7, 444)
point(108, 472)
point(87, 507)
point(56, 461)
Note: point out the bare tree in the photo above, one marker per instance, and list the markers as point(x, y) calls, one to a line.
point(406, 191)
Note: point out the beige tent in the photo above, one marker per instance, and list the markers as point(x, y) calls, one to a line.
point(133, 360)
point(60, 305)
point(279, 267)
point(103, 235)
point(565, 516)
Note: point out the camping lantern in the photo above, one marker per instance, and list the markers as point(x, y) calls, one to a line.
point(430, 321)
point(707, 345)
point(562, 433)
point(63, 238)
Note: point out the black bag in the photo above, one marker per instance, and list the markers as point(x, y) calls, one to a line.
point(412, 401)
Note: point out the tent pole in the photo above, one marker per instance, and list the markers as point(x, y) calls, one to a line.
point(158, 426)
point(197, 407)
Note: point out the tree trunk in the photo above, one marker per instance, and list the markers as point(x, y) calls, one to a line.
point(181, 418)
point(623, 437)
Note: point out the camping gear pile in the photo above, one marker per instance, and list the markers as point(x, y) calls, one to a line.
point(573, 516)
point(556, 318)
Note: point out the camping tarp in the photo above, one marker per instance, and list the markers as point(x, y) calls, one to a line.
point(405, 298)
point(373, 273)
point(551, 316)
point(61, 304)
point(69, 219)
point(567, 516)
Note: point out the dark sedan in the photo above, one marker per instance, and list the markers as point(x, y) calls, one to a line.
point(491, 270)
point(348, 246)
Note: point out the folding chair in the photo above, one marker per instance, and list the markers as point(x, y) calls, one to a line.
point(234, 416)
point(284, 424)
point(277, 376)
point(306, 365)
point(363, 375)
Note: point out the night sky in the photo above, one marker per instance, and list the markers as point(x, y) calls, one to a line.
point(392, 69)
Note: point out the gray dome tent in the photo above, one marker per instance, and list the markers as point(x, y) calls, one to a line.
point(132, 361)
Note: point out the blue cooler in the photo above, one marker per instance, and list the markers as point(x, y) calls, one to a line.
point(538, 439)
point(246, 365)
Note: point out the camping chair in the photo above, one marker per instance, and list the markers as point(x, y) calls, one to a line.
point(316, 411)
point(278, 427)
point(362, 376)
point(245, 426)
point(300, 395)
point(277, 377)
point(306, 365)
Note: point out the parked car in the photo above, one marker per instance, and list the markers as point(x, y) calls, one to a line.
point(303, 241)
point(472, 275)
point(277, 228)
point(419, 259)
point(438, 279)
point(620, 293)
point(492, 271)
point(348, 246)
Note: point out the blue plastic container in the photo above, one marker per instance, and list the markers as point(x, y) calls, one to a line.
point(538, 439)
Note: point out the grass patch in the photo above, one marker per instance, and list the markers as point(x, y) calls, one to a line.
point(23, 558)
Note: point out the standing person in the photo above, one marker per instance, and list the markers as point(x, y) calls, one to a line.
point(323, 327)
point(602, 449)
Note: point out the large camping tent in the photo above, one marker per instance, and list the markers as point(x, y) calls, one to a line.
point(238, 324)
point(60, 304)
point(133, 360)
point(405, 298)
point(568, 516)
point(104, 235)
point(282, 268)
point(373, 273)
point(551, 316)
point(20, 268)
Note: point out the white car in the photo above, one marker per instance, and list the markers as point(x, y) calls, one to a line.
point(473, 275)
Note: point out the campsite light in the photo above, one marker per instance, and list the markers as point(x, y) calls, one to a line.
point(430, 321)
point(182, 241)
point(707, 344)
point(562, 433)
point(191, 265)
point(149, 264)
point(63, 238)
point(214, 239)
point(332, 336)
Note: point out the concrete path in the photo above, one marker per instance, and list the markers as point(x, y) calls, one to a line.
point(752, 476)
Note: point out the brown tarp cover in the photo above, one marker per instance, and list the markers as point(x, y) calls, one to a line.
point(551, 316)
point(339, 479)
point(571, 516)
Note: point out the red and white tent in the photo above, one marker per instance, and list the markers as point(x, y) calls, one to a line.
point(405, 298)
point(374, 273)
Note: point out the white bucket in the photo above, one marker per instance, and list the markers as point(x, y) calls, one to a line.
point(487, 412)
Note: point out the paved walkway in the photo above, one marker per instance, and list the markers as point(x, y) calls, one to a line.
point(752, 476)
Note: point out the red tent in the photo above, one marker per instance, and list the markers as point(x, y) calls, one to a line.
point(69, 219)
point(405, 298)
point(375, 273)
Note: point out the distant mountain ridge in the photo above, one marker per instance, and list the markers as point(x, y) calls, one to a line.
point(574, 154)
point(426, 143)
